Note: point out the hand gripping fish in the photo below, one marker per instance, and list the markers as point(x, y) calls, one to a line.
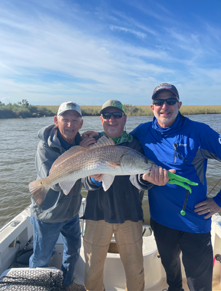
point(105, 158)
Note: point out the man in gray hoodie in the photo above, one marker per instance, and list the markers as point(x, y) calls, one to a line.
point(58, 214)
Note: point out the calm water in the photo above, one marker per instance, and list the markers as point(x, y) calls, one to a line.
point(17, 153)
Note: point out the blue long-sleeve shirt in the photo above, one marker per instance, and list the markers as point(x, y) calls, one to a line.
point(185, 146)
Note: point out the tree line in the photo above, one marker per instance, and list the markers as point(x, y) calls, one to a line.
point(22, 109)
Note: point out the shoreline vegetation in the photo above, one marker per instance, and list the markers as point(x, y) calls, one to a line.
point(24, 110)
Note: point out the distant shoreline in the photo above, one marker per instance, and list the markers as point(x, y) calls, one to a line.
point(45, 111)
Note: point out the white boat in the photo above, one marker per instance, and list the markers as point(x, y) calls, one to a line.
point(16, 247)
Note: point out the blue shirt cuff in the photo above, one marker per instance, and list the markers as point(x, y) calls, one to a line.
point(95, 182)
point(217, 199)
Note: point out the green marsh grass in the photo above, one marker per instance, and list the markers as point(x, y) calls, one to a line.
point(24, 110)
point(146, 110)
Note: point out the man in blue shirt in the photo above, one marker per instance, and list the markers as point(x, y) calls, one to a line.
point(176, 142)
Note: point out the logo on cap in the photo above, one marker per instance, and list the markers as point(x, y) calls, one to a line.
point(119, 105)
point(71, 105)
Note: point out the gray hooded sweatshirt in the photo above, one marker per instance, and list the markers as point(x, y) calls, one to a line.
point(57, 206)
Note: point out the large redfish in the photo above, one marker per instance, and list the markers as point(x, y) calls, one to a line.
point(78, 162)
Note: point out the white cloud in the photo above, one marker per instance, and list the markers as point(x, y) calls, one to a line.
point(137, 33)
point(129, 21)
point(45, 58)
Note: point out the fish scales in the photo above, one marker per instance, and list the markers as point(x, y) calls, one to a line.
point(96, 159)
point(78, 162)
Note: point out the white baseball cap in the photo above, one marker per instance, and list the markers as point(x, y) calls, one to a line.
point(70, 105)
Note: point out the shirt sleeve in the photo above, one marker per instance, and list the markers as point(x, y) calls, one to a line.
point(210, 143)
point(135, 132)
point(217, 199)
point(96, 182)
point(89, 185)
point(211, 149)
point(137, 180)
point(45, 158)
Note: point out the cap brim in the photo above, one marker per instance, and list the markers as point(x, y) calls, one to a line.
point(163, 89)
point(69, 110)
point(102, 110)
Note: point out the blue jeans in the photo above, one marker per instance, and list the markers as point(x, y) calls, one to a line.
point(45, 236)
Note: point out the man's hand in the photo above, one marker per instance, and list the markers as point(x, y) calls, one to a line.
point(89, 134)
point(97, 177)
point(158, 176)
point(87, 142)
point(208, 206)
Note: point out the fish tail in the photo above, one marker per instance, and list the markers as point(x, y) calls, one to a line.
point(38, 191)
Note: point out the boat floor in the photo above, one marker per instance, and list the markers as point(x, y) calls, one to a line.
point(216, 284)
point(163, 285)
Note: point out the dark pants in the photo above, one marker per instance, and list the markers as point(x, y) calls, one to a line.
point(197, 257)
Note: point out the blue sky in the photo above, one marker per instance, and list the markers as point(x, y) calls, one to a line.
point(89, 51)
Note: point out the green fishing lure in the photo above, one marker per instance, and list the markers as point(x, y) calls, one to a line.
point(183, 182)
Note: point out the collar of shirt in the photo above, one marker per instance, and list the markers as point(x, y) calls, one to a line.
point(65, 144)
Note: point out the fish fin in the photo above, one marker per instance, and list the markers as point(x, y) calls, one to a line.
point(103, 141)
point(107, 181)
point(66, 186)
point(38, 191)
point(66, 155)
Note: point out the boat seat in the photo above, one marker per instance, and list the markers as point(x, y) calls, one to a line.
point(24, 279)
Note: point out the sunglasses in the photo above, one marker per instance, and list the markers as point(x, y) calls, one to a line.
point(116, 115)
point(169, 101)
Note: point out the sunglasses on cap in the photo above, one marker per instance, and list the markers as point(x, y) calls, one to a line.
point(169, 101)
point(116, 115)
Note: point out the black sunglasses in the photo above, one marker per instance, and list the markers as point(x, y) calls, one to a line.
point(116, 115)
point(169, 101)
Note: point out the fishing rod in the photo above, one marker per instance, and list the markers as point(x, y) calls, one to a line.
point(214, 187)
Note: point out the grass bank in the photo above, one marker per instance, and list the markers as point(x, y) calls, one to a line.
point(24, 110)
point(190, 109)
point(146, 111)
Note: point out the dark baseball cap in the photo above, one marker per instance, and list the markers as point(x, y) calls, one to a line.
point(165, 86)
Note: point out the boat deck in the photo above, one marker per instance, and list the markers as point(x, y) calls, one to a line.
point(17, 235)
point(163, 285)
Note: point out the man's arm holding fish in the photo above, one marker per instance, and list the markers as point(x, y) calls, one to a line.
point(157, 176)
point(45, 157)
point(87, 142)
point(90, 134)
